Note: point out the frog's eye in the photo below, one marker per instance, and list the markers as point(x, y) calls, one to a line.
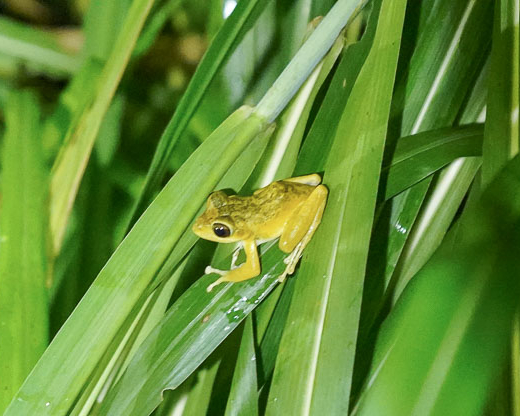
point(221, 230)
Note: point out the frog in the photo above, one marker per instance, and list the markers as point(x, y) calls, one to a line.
point(289, 210)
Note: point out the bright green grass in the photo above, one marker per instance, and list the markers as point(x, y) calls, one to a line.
point(405, 301)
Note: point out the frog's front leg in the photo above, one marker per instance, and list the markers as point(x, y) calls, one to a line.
point(234, 259)
point(247, 270)
point(300, 228)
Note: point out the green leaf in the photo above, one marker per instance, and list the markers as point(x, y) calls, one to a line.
point(501, 138)
point(123, 345)
point(314, 377)
point(453, 321)
point(23, 246)
point(260, 48)
point(501, 141)
point(308, 56)
point(225, 41)
point(234, 178)
point(37, 49)
point(243, 399)
point(446, 196)
point(437, 64)
point(155, 24)
point(420, 155)
point(438, 212)
point(451, 46)
point(270, 333)
point(200, 393)
point(321, 133)
point(515, 365)
point(72, 104)
point(282, 151)
point(70, 164)
point(195, 325)
point(102, 25)
point(127, 274)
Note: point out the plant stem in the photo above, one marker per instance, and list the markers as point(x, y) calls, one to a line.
point(308, 56)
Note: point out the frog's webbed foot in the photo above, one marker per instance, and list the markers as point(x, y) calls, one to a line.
point(236, 275)
point(223, 273)
point(209, 270)
point(291, 260)
point(215, 283)
point(247, 270)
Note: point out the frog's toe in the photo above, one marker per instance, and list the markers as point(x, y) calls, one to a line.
point(291, 267)
point(291, 261)
point(282, 277)
point(287, 272)
point(215, 283)
point(292, 258)
point(209, 270)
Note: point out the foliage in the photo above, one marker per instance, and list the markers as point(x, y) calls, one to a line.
point(119, 118)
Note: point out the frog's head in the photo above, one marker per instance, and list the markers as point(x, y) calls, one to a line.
point(213, 224)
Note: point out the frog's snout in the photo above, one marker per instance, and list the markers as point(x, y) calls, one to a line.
point(197, 227)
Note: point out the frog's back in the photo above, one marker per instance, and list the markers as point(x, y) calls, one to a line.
point(282, 192)
point(271, 207)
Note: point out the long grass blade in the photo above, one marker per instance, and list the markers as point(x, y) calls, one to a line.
point(450, 49)
point(453, 321)
point(23, 247)
point(37, 49)
point(243, 399)
point(72, 160)
point(311, 52)
point(446, 197)
point(501, 138)
point(224, 43)
point(315, 376)
point(418, 156)
point(187, 335)
point(129, 271)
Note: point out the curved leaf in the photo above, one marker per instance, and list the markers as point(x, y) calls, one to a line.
point(224, 43)
point(129, 271)
point(314, 376)
point(196, 324)
point(23, 249)
point(418, 156)
point(453, 321)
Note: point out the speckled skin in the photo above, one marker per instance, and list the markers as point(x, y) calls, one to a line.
point(290, 209)
point(261, 216)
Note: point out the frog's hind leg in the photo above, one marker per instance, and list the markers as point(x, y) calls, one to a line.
point(300, 228)
point(313, 179)
point(245, 271)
